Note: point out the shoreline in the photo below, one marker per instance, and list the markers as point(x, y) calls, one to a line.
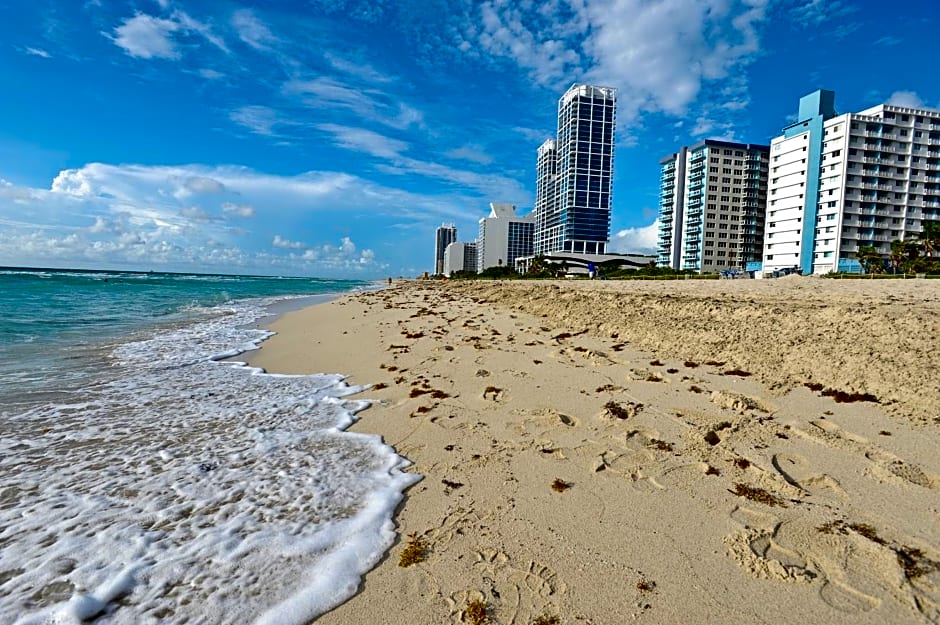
point(685, 505)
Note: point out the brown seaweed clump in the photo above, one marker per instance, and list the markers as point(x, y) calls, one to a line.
point(645, 585)
point(618, 411)
point(414, 552)
point(660, 445)
point(758, 494)
point(914, 563)
point(476, 612)
point(560, 486)
point(547, 619)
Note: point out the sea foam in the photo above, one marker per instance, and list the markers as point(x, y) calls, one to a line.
point(182, 489)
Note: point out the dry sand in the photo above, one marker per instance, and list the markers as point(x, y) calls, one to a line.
point(698, 494)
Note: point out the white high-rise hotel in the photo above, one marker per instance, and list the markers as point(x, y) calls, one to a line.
point(574, 174)
point(838, 182)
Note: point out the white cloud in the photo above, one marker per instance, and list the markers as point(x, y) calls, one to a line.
point(639, 240)
point(211, 74)
point(369, 104)
point(818, 12)
point(147, 37)
point(135, 216)
point(345, 254)
point(192, 25)
point(363, 71)
point(365, 141)
point(195, 213)
point(38, 52)
point(541, 50)
point(261, 120)
point(287, 244)
point(252, 30)
point(488, 185)
point(658, 54)
point(472, 152)
point(238, 210)
point(198, 185)
point(888, 40)
point(907, 99)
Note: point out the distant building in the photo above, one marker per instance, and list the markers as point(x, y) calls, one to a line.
point(460, 257)
point(574, 174)
point(578, 264)
point(839, 182)
point(503, 237)
point(712, 204)
point(444, 236)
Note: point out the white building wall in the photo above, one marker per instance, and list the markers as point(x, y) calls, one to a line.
point(829, 225)
point(454, 258)
point(493, 239)
point(879, 178)
point(785, 201)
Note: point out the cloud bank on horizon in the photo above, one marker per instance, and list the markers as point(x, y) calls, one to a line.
point(332, 140)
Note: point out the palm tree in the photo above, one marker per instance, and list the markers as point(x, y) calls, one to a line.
point(930, 238)
point(870, 259)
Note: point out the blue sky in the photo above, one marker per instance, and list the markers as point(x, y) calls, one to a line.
point(331, 137)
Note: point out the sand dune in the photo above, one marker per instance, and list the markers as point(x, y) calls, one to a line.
point(699, 480)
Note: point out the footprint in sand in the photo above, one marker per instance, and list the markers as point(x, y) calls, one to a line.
point(544, 419)
point(889, 468)
point(643, 481)
point(521, 592)
point(855, 572)
point(493, 393)
point(640, 438)
point(799, 472)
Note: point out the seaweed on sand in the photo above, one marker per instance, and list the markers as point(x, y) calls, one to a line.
point(415, 551)
point(620, 412)
point(476, 612)
point(757, 494)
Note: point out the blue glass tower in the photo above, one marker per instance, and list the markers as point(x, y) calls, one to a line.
point(575, 174)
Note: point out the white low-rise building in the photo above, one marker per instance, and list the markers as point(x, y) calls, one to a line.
point(504, 237)
point(460, 257)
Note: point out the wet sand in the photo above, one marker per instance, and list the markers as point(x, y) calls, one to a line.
point(721, 452)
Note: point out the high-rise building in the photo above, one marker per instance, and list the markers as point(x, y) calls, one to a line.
point(444, 236)
point(839, 182)
point(460, 257)
point(711, 207)
point(574, 174)
point(503, 237)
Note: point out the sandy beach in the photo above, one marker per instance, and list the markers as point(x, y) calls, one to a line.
point(731, 451)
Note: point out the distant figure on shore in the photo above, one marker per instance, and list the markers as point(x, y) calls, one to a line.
point(390, 282)
point(592, 270)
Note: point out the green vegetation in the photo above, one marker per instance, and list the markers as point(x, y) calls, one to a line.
point(912, 256)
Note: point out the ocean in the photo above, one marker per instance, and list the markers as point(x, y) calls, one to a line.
point(144, 479)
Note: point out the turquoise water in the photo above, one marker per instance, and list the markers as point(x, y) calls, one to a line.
point(53, 323)
point(147, 478)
